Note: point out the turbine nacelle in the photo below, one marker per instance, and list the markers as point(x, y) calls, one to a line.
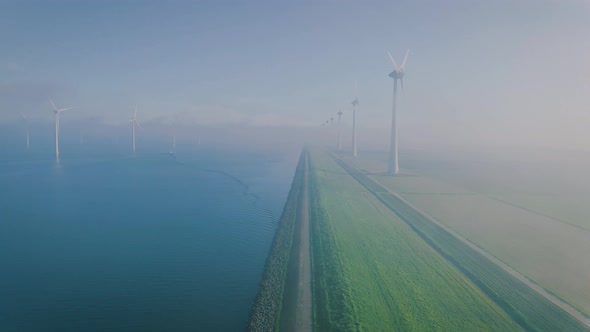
point(398, 71)
point(56, 110)
point(396, 74)
point(355, 102)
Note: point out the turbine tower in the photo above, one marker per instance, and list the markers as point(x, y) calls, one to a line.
point(354, 103)
point(173, 149)
point(133, 124)
point(26, 130)
point(397, 74)
point(56, 113)
point(339, 132)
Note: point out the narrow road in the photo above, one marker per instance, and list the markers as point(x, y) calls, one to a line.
point(296, 310)
point(303, 319)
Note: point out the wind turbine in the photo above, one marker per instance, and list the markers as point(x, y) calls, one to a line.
point(354, 103)
point(339, 132)
point(133, 124)
point(332, 121)
point(173, 150)
point(26, 129)
point(56, 113)
point(397, 74)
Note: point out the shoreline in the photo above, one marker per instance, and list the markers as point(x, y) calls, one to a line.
point(275, 291)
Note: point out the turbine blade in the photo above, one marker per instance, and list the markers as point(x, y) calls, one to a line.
point(405, 60)
point(64, 109)
point(395, 66)
point(52, 105)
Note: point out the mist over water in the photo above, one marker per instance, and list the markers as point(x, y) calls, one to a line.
point(152, 242)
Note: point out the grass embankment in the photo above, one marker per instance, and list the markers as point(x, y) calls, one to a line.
point(266, 309)
point(526, 307)
point(371, 272)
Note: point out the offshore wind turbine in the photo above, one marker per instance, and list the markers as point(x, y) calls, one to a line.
point(26, 130)
point(173, 150)
point(56, 113)
point(339, 132)
point(397, 74)
point(354, 103)
point(133, 124)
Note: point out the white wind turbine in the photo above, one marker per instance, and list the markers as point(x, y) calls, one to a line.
point(339, 132)
point(56, 113)
point(133, 124)
point(397, 74)
point(173, 150)
point(26, 129)
point(354, 103)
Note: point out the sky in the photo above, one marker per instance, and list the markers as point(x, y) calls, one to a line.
point(479, 72)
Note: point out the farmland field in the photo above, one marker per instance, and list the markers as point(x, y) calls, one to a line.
point(537, 233)
point(527, 307)
point(372, 272)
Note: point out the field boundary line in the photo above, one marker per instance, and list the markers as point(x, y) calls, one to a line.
point(539, 213)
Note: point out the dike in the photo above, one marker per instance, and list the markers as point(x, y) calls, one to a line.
point(266, 308)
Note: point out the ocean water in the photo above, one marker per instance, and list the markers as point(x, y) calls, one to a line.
point(146, 243)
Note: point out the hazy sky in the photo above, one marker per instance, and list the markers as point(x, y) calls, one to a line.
point(493, 71)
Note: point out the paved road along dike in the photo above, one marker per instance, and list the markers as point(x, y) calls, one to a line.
point(296, 314)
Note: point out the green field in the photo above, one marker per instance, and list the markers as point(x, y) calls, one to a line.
point(372, 272)
point(545, 250)
point(525, 306)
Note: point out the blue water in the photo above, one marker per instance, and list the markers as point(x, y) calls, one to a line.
point(145, 243)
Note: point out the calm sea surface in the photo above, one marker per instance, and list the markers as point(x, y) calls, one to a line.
point(146, 243)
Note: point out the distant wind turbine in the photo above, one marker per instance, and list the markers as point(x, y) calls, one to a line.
point(331, 121)
point(133, 124)
point(354, 103)
point(339, 132)
point(397, 74)
point(173, 150)
point(56, 113)
point(26, 130)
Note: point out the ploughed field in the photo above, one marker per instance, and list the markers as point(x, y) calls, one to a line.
point(373, 272)
point(542, 231)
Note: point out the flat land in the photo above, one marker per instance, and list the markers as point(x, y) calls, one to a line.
point(541, 235)
point(372, 272)
point(533, 309)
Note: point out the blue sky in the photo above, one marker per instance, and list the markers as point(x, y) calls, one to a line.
point(477, 70)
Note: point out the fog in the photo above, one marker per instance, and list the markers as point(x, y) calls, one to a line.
point(209, 222)
point(499, 74)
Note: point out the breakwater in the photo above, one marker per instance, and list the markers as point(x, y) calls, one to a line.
point(266, 308)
